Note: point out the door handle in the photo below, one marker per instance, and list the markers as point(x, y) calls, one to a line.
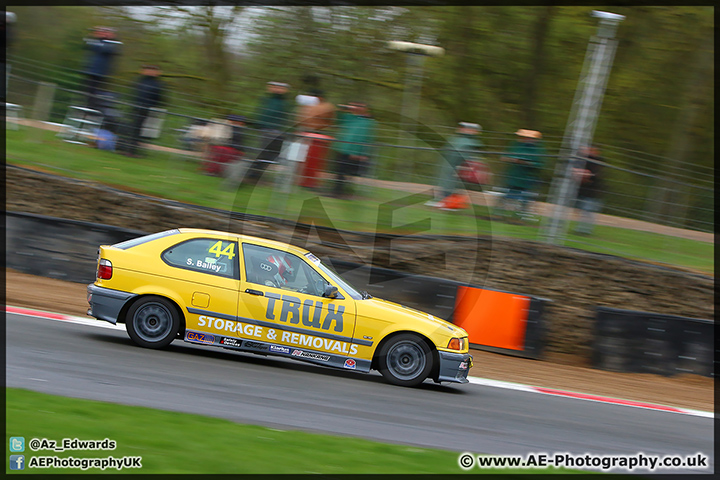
point(253, 292)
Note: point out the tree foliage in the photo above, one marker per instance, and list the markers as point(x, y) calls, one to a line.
point(504, 67)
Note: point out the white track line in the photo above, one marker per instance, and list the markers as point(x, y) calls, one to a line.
point(588, 397)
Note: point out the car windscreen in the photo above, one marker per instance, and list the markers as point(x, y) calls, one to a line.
point(147, 238)
point(345, 286)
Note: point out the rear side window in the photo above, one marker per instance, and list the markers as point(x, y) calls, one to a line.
point(205, 255)
point(144, 239)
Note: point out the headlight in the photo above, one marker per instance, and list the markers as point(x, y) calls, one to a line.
point(456, 344)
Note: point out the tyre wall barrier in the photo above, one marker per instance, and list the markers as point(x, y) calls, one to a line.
point(502, 322)
point(496, 321)
point(56, 247)
point(644, 342)
point(429, 294)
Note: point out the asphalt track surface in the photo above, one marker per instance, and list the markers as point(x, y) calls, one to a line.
point(102, 364)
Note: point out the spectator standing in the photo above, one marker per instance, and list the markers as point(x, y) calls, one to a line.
point(356, 127)
point(589, 173)
point(149, 91)
point(457, 151)
point(272, 121)
point(314, 122)
point(221, 156)
point(7, 39)
point(525, 161)
point(304, 100)
point(102, 48)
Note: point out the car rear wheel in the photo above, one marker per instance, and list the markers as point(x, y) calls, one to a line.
point(405, 360)
point(152, 322)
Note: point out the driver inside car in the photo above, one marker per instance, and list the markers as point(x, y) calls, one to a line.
point(284, 271)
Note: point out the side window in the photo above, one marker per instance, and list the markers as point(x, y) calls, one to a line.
point(275, 268)
point(206, 255)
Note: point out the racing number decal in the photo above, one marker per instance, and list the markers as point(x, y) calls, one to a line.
point(228, 251)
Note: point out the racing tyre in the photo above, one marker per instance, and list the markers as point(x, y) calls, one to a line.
point(405, 360)
point(152, 322)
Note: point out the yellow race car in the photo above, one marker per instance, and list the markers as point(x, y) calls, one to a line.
point(266, 297)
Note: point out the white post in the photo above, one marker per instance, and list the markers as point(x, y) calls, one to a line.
point(581, 124)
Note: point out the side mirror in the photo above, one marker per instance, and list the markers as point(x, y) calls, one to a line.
point(331, 291)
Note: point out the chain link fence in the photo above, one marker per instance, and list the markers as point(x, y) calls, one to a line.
point(640, 191)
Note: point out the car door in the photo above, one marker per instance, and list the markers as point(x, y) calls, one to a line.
point(284, 293)
point(205, 274)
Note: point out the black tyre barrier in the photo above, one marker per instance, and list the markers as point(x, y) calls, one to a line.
point(57, 248)
point(439, 297)
point(429, 294)
point(644, 342)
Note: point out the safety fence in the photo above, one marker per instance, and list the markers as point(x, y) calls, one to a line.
point(635, 186)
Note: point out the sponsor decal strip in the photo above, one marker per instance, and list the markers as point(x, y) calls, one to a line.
point(273, 335)
point(89, 321)
point(280, 326)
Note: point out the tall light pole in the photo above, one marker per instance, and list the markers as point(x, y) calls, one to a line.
point(581, 123)
point(416, 54)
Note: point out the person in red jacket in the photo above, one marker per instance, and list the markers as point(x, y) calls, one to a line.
point(315, 121)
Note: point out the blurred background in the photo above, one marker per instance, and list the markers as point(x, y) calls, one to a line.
point(173, 102)
point(505, 68)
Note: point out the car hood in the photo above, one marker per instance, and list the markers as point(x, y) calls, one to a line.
point(385, 309)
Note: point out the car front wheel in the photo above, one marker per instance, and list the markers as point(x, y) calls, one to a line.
point(405, 360)
point(152, 322)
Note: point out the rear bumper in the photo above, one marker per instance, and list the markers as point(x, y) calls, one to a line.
point(454, 367)
point(105, 304)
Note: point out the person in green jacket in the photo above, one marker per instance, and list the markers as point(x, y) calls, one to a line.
point(357, 127)
point(272, 119)
point(459, 149)
point(525, 158)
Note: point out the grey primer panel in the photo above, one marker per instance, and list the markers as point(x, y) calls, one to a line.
point(106, 304)
point(449, 370)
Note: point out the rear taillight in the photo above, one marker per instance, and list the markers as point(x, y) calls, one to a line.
point(104, 271)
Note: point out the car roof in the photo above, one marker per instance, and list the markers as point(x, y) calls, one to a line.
point(245, 238)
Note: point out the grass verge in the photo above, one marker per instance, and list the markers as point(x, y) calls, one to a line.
point(171, 442)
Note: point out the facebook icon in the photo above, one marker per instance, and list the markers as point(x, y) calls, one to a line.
point(17, 462)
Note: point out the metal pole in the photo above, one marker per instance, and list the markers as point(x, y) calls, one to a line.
point(411, 102)
point(415, 60)
point(43, 101)
point(416, 63)
point(581, 124)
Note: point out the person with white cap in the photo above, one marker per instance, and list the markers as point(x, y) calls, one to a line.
point(458, 150)
point(525, 158)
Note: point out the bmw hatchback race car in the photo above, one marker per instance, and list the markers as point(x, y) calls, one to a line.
point(270, 298)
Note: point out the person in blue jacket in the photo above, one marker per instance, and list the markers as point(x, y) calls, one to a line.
point(149, 94)
point(102, 48)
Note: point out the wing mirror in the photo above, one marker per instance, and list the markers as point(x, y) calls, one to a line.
point(331, 291)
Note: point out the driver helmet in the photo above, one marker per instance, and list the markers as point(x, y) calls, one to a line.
point(285, 272)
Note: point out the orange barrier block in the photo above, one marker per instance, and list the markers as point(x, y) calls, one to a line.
point(493, 319)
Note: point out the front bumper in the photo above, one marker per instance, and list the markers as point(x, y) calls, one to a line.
point(106, 304)
point(454, 367)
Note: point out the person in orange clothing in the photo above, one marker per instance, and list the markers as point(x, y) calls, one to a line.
point(314, 122)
